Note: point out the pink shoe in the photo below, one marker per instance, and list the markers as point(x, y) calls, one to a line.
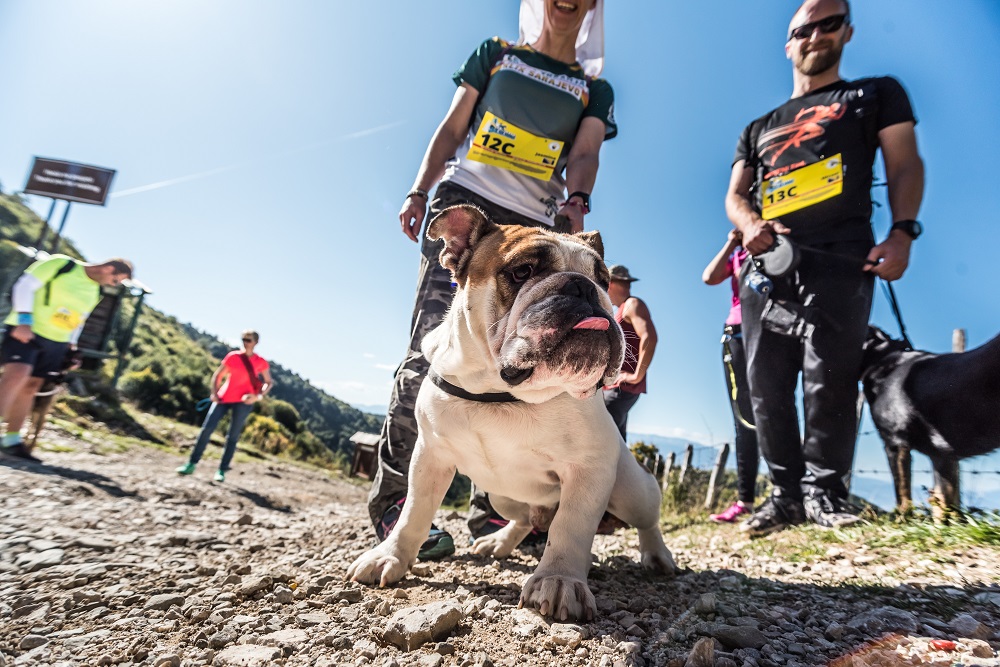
point(730, 515)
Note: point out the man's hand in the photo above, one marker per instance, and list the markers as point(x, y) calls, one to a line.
point(758, 236)
point(411, 216)
point(214, 397)
point(890, 257)
point(76, 359)
point(23, 333)
point(574, 214)
point(630, 378)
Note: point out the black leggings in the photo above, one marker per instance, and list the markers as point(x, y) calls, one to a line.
point(747, 454)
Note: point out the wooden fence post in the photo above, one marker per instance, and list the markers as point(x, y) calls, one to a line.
point(666, 471)
point(958, 340)
point(717, 472)
point(685, 464)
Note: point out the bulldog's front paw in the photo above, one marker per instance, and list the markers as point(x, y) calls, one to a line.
point(378, 565)
point(659, 560)
point(561, 597)
point(654, 554)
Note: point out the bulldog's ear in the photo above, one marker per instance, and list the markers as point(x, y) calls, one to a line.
point(461, 227)
point(593, 239)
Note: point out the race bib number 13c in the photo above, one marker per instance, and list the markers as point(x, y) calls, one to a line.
point(500, 144)
point(803, 187)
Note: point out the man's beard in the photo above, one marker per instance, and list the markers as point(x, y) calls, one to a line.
point(817, 62)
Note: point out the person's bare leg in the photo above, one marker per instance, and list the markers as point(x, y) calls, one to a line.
point(21, 405)
point(12, 381)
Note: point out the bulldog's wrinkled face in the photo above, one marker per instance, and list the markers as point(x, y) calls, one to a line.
point(537, 299)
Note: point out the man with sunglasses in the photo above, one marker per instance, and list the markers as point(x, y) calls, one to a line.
point(247, 379)
point(805, 170)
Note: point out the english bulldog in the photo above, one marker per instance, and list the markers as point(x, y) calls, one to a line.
point(513, 401)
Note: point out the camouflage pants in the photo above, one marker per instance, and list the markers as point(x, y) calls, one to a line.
point(434, 295)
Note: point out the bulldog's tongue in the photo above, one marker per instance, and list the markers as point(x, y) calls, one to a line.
point(595, 323)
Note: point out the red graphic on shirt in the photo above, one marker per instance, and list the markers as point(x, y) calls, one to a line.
point(808, 124)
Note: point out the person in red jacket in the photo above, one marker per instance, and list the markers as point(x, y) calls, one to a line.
point(242, 379)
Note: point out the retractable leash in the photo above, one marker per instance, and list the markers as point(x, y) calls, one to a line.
point(890, 293)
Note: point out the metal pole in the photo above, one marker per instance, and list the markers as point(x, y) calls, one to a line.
point(62, 225)
point(123, 350)
point(45, 226)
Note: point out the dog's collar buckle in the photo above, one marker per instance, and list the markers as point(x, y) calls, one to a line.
point(455, 390)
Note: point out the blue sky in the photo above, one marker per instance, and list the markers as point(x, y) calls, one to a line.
point(263, 150)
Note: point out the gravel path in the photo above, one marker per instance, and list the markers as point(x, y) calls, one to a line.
point(113, 559)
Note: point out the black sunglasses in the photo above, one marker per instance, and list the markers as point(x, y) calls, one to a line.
point(827, 25)
point(248, 340)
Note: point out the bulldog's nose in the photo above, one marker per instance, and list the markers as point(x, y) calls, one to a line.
point(515, 376)
point(581, 288)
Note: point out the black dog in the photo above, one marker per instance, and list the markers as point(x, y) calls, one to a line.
point(946, 406)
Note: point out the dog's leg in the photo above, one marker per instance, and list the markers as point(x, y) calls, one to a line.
point(558, 588)
point(636, 501)
point(501, 543)
point(900, 465)
point(429, 479)
point(946, 496)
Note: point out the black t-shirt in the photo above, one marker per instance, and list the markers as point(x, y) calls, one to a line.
point(842, 119)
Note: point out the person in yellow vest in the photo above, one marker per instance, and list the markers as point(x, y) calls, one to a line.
point(50, 303)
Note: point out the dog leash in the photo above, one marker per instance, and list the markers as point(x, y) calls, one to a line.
point(890, 293)
point(455, 390)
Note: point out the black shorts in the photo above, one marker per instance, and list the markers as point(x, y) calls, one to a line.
point(46, 357)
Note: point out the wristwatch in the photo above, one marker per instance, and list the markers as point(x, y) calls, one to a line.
point(582, 195)
point(911, 228)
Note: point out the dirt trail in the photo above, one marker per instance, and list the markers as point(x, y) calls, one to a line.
point(114, 559)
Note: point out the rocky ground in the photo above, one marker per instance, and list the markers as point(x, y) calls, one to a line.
point(108, 557)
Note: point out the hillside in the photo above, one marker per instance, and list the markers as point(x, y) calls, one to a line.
point(170, 364)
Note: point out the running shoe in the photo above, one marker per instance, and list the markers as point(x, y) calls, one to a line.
point(828, 511)
point(730, 515)
point(776, 513)
point(219, 476)
point(186, 469)
point(19, 451)
point(438, 544)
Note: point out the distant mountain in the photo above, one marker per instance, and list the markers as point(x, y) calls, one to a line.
point(377, 410)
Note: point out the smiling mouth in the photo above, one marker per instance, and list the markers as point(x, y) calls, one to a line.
point(567, 7)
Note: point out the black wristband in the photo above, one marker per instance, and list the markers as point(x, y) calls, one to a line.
point(417, 192)
point(911, 228)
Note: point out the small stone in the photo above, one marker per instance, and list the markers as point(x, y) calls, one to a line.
point(32, 641)
point(413, 627)
point(705, 604)
point(965, 625)
point(247, 655)
point(169, 660)
point(566, 634)
point(703, 654)
point(164, 601)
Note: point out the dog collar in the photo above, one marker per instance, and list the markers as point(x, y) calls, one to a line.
point(455, 390)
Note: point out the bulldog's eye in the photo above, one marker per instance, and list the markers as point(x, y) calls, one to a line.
point(520, 274)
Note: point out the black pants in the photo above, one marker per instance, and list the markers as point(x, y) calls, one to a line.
point(618, 403)
point(747, 454)
point(829, 361)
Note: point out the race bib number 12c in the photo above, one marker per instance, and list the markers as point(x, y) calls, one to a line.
point(500, 144)
point(803, 187)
